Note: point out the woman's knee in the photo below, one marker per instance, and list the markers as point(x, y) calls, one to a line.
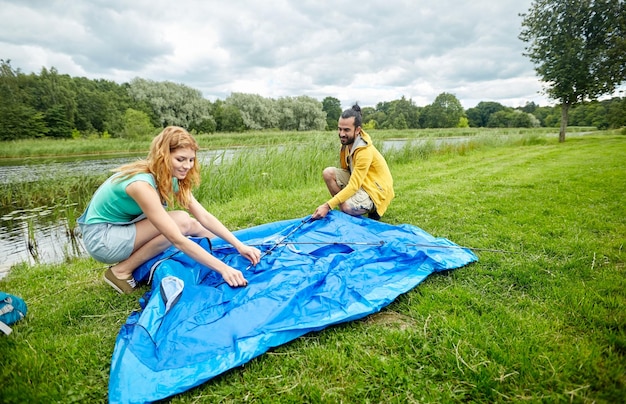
point(185, 222)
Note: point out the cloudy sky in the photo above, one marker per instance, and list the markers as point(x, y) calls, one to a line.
point(365, 51)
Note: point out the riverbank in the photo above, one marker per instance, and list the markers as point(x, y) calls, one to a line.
point(42, 149)
point(542, 320)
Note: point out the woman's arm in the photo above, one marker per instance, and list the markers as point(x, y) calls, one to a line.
point(150, 203)
point(213, 224)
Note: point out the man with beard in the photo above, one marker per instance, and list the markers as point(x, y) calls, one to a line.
point(363, 184)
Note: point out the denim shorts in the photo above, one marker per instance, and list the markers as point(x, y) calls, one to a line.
point(109, 243)
point(360, 200)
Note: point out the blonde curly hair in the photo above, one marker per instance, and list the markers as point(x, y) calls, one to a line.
point(159, 164)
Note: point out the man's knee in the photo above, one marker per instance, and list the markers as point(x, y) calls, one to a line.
point(329, 174)
point(349, 209)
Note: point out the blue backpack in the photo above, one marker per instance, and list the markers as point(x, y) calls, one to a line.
point(12, 309)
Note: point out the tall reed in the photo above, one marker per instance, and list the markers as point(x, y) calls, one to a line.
point(249, 170)
point(50, 191)
point(254, 170)
point(31, 241)
point(284, 167)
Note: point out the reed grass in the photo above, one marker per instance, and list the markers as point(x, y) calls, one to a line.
point(42, 148)
point(269, 160)
point(63, 191)
point(542, 321)
point(257, 170)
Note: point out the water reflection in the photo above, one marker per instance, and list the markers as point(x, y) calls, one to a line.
point(40, 235)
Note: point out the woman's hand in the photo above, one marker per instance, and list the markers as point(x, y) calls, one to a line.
point(251, 253)
point(234, 277)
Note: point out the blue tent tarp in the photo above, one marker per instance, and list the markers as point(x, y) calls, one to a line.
point(193, 326)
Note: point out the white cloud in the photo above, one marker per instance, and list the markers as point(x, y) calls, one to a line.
point(372, 51)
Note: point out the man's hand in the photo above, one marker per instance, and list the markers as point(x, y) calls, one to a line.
point(321, 211)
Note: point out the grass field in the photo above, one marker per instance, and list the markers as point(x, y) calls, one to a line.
point(541, 320)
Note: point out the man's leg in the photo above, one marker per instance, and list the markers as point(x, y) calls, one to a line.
point(359, 204)
point(330, 178)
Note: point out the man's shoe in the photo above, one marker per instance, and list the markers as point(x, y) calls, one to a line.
point(123, 286)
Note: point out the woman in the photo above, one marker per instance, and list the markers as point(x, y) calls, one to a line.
point(126, 223)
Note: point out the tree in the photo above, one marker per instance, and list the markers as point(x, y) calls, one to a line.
point(332, 107)
point(54, 96)
point(372, 118)
point(21, 122)
point(101, 105)
point(530, 107)
point(301, 113)
point(605, 114)
point(616, 112)
point(57, 123)
point(542, 113)
point(257, 112)
point(403, 114)
point(463, 122)
point(137, 124)
point(512, 118)
point(479, 115)
point(18, 119)
point(207, 125)
point(445, 112)
point(396, 114)
point(228, 118)
point(578, 48)
point(174, 104)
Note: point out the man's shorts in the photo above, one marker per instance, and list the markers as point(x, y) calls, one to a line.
point(360, 201)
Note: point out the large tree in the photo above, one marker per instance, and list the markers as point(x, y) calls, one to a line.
point(301, 113)
point(172, 103)
point(257, 112)
point(445, 112)
point(332, 107)
point(578, 48)
point(18, 119)
point(479, 115)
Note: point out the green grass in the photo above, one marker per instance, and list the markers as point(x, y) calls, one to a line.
point(543, 322)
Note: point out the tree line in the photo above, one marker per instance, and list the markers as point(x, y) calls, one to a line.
point(54, 105)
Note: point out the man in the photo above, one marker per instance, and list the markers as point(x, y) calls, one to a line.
point(363, 184)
